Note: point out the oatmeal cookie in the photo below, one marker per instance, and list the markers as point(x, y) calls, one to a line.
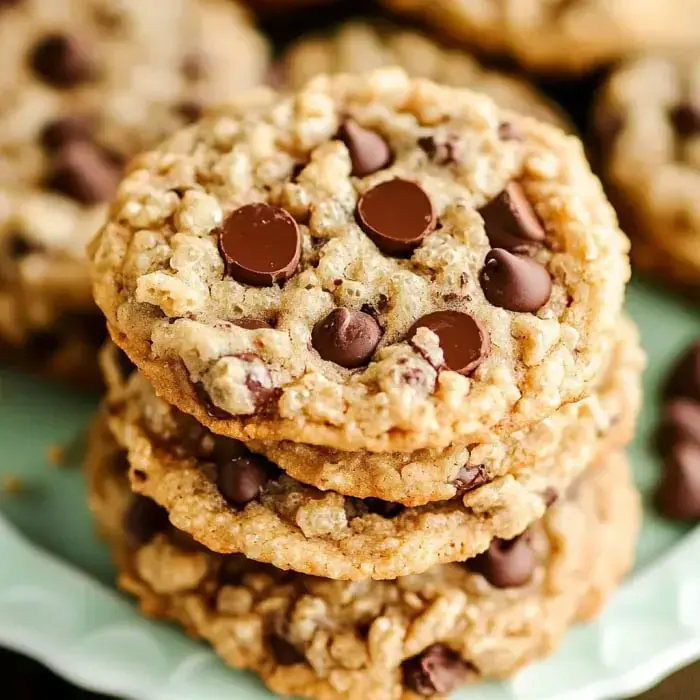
point(386, 640)
point(375, 262)
point(647, 123)
point(358, 46)
point(561, 36)
point(566, 441)
point(235, 501)
point(85, 84)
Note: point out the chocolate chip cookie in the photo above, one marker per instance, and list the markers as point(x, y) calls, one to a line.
point(84, 85)
point(226, 496)
point(647, 122)
point(375, 262)
point(561, 36)
point(357, 47)
point(421, 635)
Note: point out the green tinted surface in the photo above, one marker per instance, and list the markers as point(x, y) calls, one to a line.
point(61, 607)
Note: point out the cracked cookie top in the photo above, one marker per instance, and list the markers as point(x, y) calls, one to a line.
point(374, 262)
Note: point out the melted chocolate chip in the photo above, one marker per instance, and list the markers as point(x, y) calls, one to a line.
point(144, 519)
point(470, 478)
point(261, 244)
point(369, 152)
point(511, 222)
point(242, 480)
point(437, 670)
point(397, 215)
point(463, 340)
point(506, 563)
point(515, 282)
point(60, 132)
point(61, 60)
point(284, 652)
point(347, 338)
point(686, 119)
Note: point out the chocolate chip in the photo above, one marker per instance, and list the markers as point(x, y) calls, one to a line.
point(242, 480)
point(386, 509)
point(144, 519)
point(680, 422)
point(550, 497)
point(17, 245)
point(369, 152)
point(60, 132)
point(686, 119)
point(284, 652)
point(507, 131)
point(506, 563)
point(436, 670)
point(678, 495)
point(261, 244)
point(61, 60)
point(470, 478)
point(84, 173)
point(194, 66)
point(511, 222)
point(464, 341)
point(684, 380)
point(251, 324)
point(397, 215)
point(190, 111)
point(348, 338)
point(443, 150)
point(515, 282)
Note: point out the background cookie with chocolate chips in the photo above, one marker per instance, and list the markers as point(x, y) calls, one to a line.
point(647, 123)
point(299, 282)
point(417, 635)
point(85, 84)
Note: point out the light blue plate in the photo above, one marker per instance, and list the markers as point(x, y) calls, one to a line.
point(57, 603)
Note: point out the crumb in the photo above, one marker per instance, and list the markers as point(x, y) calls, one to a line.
point(56, 455)
point(11, 484)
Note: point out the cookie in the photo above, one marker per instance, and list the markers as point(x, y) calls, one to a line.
point(357, 47)
point(427, 267)
point(560, 36)
point(85, 84)
point(647, 124)
point(416, 636)
point(236, 501)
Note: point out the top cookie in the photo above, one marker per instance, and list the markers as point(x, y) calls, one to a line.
point(648, 125)
point(358, 47)
point(84, 85)
point(561, 36)
point(373, 263)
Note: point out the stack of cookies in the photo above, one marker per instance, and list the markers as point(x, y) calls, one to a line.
point(369, 388)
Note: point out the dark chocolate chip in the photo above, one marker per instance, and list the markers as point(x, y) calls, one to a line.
point(436, 670)
point(515, 282)
point(470, 478)
point(242, 480)
point(261, 244)
point(686, 119)
point(190, 111)
point(506, 563)
point(194, 66)
point(369, 152)
point(386, 509)
point(680, 422)
point(60, 132)
point(83, 173)
point(463, 340)
point(61, 60)
point(284, 652)
point(397, 215)
point(348, 338)
point(144, 519)
point(684, 380)
point(251, 324)
point(678, 495)
point(511, 222)
point(507, 131)
point(443, 150)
